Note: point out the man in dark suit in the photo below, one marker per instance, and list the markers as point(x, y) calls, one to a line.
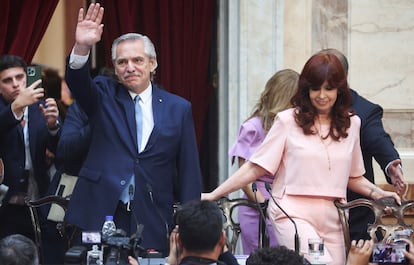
point(136, 181)
point(71, 152)
point(28, 128)
point(375, 143)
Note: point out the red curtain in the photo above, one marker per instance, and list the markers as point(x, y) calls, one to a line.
point(181, 31)
point(23, 24)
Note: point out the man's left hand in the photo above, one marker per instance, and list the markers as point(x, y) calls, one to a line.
point(396, 175)
point(51, 113)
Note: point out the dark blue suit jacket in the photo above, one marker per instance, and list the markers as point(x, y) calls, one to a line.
point(168, 167)
point(12, 148)
point(74, 141)
point(73, 146)
point(375, 143)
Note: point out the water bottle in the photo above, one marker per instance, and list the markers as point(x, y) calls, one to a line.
point(108, 228)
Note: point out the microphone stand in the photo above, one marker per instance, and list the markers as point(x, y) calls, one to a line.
point(263, 225)
point(135, 239)
point(167, 229)
point(268, 189)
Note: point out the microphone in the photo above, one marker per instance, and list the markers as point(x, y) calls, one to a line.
point(167, 229)
point(263, 225)
point(268, 189)
point(136, 239)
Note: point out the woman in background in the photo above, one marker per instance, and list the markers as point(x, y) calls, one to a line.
point(276, 97)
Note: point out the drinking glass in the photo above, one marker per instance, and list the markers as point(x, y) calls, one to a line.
point(316, 248)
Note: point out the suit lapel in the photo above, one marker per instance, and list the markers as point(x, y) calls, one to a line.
point(158, 105)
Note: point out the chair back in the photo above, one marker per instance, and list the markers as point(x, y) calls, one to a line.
point(60, 226)
point(380, 231)
point(232, 226)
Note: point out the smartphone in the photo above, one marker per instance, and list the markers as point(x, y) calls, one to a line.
point(389, 253)
point(34, 73)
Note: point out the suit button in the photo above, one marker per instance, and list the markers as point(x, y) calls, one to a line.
point(136, 161)
point(123, 182)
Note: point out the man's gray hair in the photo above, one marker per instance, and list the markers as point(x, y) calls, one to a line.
point(148, 45)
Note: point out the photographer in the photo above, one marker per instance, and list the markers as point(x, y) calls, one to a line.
point(198, 236)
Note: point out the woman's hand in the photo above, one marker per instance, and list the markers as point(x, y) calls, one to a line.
point(208, 196)
point(378, 193)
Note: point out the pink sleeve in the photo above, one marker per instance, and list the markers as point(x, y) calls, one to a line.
point(269, 154)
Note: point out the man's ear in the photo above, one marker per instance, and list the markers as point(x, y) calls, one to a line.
point(223, 239)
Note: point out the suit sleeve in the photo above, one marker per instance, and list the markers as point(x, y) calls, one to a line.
point(75, 139)
point(83, 88)
point(7, 119)
point(377, 141)
point(188, 165)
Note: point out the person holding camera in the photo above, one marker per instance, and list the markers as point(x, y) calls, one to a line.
point(198, 237)
point(29, 126)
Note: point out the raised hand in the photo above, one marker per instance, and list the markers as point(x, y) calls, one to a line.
point(89, 28)
point(51, 112)
point(27, 96)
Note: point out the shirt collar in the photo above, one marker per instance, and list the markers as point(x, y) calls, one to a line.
point(145, 95)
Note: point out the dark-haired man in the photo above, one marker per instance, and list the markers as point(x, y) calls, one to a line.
point(28, 127)
point(274, 256)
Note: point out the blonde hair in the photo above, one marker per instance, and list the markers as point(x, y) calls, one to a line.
point(276, 96)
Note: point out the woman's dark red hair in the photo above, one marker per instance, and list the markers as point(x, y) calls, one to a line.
point(318, 69)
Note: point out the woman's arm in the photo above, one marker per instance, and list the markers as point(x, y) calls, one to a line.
point(362, 186)
point(243, 176)
point(248, 189)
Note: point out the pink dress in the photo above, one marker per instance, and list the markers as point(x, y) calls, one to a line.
point(251, 135)
point(310, 173)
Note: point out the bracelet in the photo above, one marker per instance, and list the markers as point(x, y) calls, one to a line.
point(372, 191)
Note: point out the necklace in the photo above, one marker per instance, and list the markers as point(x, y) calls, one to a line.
point(325, 142)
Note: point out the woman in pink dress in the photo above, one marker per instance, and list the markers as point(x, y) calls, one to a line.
point(276, 97)
point(314, 153)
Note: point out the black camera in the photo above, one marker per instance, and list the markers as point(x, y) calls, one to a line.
point(118, 247)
